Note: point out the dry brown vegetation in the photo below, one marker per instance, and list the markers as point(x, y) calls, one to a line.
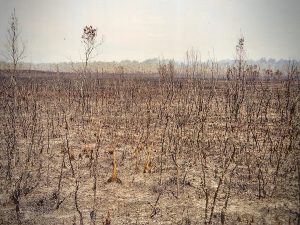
point(172, 148)
point(162, 150)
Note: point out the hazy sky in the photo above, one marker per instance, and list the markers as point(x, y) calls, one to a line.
point(141, 29)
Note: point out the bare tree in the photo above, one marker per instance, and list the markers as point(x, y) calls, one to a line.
point(89, 41)
point(90, 46)
point(236, 77)
point(15, 47)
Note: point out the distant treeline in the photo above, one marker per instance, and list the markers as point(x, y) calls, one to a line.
point(149, 67)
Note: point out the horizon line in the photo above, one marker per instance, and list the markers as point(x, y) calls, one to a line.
point(267, 59)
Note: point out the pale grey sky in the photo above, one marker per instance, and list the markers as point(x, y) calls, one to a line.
point(141, 29)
